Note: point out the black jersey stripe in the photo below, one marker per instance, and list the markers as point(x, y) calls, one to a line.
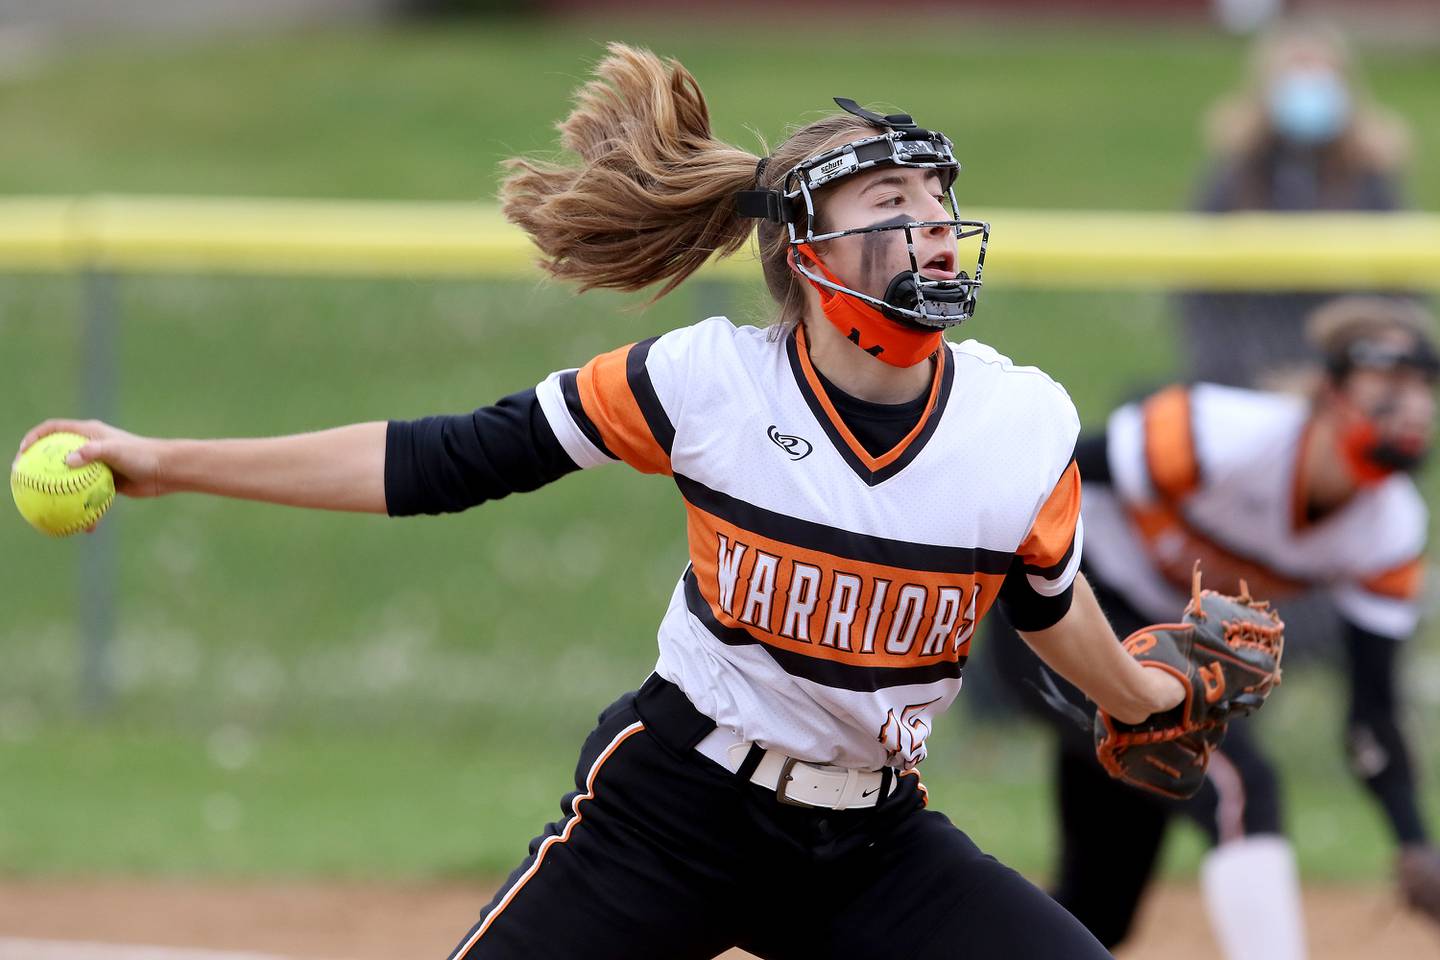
point(837, 441)
point(638, 376)
point(1053, 571)
point(829, 673)
point(570, 390)
point(864, 547)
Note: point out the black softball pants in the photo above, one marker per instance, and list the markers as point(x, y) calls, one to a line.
point(1111, 833)
point(664, 855)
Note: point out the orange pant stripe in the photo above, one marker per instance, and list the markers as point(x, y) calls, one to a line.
point(576, 817)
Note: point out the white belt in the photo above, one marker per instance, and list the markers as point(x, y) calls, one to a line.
point(795, 781)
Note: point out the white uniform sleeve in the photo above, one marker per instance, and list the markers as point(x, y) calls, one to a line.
point(1385, 597)
point(1125, 450)
point(622, 405)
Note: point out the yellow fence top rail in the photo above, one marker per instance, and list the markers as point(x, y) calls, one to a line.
point(1029, 248)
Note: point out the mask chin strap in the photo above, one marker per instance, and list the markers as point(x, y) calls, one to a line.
point(1394, 458)
point(1370, 457)
point(943, 306)
point(900, 344)
point(1357, 443)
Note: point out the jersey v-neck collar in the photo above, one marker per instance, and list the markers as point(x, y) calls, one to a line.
point(869, 468)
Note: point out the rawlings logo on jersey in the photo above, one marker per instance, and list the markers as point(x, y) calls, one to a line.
point(798, 448)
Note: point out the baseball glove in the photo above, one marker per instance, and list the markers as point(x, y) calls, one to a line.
point(1226, 650)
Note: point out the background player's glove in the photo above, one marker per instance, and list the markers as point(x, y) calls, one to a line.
point(1226, 651)
point(1418, 871)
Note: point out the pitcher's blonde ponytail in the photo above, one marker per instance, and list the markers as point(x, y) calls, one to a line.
point(653, 195)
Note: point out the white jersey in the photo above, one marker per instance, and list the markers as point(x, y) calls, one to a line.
point(831, 595)
point(1212, 473)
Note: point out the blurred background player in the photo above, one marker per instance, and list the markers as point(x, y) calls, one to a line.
point(1302, 136)
point(1292, 494)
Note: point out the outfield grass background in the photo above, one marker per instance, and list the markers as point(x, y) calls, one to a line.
point(310, 694)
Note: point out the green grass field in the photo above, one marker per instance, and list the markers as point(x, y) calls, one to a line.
point(306, 694)
point(1043, 116)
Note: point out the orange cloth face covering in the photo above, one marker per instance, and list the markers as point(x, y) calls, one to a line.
point(898, 344)
point(1369, 458)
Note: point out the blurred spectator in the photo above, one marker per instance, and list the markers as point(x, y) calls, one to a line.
point(1245, 16)
point(1303, 136)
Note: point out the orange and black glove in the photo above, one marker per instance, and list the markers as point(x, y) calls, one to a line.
point(1226, 650)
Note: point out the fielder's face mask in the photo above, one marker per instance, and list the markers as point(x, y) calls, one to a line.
point(1372, 452)
point(910, 298)
point(1374, 354)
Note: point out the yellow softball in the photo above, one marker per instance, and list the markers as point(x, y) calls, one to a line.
point(55, 498)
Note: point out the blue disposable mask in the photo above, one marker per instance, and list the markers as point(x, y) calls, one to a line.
point(1309, 105)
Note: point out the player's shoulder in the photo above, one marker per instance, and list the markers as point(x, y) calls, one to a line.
point(981, 357)
point(1015, 382)
point(1240, 405)
point(714, 338)
point(1234, 425)
point(708, 358)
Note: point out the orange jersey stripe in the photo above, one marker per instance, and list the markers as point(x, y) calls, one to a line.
point(1223, 569)
point(605, 394)
point(1170, 443)
point(1400, 583)
point(1053, 531)
point(841, 610)
point(818, 388)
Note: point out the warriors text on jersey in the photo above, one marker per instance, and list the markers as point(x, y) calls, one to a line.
point(831, 596)
point(1212, 473)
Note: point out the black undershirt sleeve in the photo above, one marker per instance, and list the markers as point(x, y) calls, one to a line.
point(1092, 456)
point(1378, 753)
point(446, 464)
point(1026, 609)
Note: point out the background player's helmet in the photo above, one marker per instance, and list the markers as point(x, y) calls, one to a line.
point(1371, 452)
point(910, 297)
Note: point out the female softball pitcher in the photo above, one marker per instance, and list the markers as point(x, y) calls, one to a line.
point(859, 491)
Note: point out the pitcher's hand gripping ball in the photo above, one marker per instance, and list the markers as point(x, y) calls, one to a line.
point(55, 498)
point(1226, 651)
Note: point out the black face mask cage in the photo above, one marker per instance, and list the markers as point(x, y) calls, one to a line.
point(910, 297)
point(1420, 358)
